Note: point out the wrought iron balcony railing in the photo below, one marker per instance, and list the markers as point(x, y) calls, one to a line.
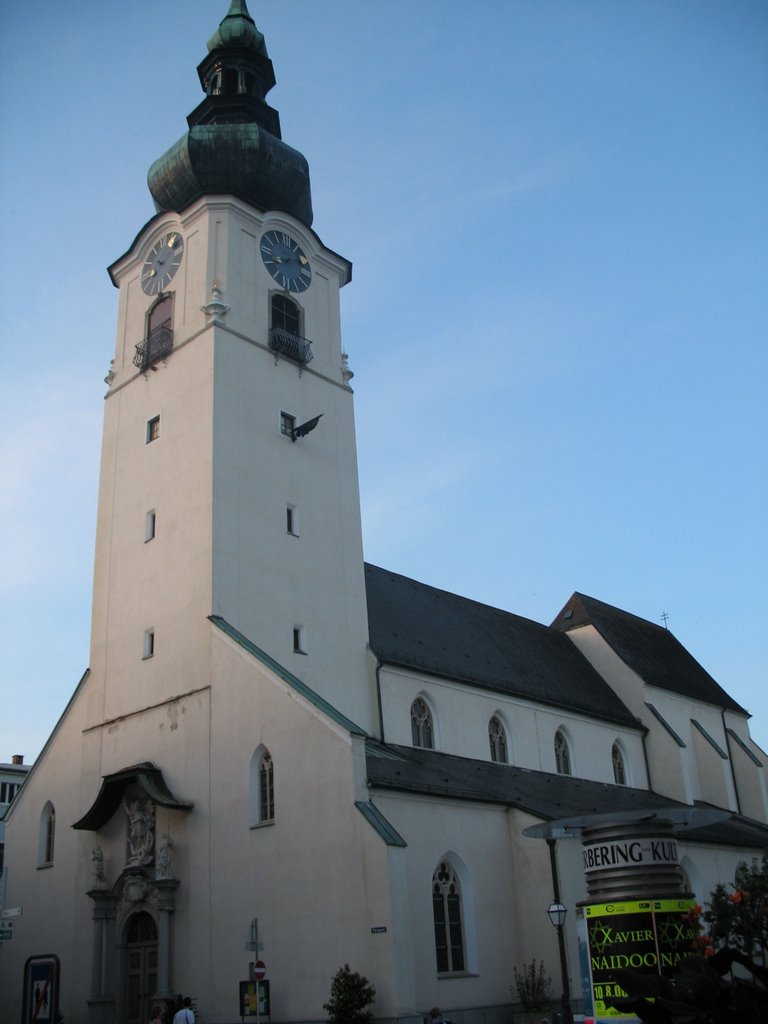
point(156, 346)
point(291, 345)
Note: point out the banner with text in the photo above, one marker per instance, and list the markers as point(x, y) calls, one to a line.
point(649, 936)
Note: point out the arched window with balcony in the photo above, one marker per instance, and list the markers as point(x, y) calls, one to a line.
point(285, 329)
point(158, 342)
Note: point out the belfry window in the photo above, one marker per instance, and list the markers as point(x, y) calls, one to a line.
point(446, 910)
point(231, 80)
point(422, 731)
point(562, 754)
point(497, 738)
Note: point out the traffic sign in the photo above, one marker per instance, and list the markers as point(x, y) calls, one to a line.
point(258, 970)
point(5, 934)
point(10, 912)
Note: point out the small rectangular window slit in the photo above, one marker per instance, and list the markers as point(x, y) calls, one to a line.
point(153, 429)
point(299, 640)
point(149, 526)
point(292, 520)
point(149, 643)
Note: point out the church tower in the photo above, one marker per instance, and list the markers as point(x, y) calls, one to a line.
point(229, 476)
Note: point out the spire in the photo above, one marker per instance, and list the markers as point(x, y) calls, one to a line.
point(237, 29)
point(234, 145)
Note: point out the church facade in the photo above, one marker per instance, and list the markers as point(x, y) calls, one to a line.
point(279, 752)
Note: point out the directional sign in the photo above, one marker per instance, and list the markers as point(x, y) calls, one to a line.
point(10, 912)
point(6, 934)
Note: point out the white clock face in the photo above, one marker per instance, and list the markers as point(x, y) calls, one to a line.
point(162, 263)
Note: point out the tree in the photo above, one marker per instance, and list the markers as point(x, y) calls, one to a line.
point(351, 998)
point(739, 919)
point(705, 989)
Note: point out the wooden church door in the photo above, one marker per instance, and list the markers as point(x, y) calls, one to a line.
point(139, 968)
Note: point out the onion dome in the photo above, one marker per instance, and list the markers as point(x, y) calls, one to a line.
point(234, 146)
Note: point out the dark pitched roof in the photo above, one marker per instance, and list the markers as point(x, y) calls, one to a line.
point(541, 794)
point(433, 631)
point(654, 653)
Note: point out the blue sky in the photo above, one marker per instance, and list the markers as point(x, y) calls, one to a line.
point(557, 217)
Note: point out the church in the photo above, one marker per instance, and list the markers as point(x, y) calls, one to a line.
point(280, 753)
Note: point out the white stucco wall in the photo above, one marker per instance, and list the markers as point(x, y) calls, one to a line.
point(461, 714)
point(695, 771)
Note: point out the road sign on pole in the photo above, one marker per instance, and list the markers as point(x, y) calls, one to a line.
point(258, 970)
point(6, 934)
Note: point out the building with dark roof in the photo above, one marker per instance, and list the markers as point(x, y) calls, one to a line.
point(278, 751)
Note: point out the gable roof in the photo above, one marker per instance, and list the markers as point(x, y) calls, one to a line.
point(432, 631)
point(654, 653)
point(541, 794)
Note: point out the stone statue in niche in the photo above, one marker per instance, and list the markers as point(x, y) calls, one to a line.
point(141, 832)
point(98, 881)
point(164, 859)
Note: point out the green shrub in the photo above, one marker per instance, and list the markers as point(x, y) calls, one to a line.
point(351, 997)
point(533, 985)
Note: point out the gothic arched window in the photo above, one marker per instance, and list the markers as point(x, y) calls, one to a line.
point(266, 788)
point(47, 835)
point(619, 771)
point(262, 788)
point(497, 738)
point(446, 910)
point(562, 754)
point(422, 732)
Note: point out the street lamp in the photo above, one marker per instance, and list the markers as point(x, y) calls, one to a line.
point(556, 913)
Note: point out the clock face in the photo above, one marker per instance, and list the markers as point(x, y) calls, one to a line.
point(162, 263)
point(285, 260)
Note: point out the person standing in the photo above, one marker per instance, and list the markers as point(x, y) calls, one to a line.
point(186, 1014)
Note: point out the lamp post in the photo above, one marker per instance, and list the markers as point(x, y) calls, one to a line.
point(556, 913)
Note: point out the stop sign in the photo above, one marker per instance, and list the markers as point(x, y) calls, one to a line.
point(259, 970)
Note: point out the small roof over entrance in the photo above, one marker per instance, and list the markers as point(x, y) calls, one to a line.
point(147, 777)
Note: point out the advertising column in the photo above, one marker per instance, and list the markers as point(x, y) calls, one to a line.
point(637, 912)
